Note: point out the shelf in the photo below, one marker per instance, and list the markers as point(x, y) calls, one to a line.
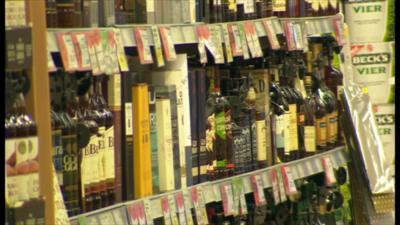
point(186, 33)
point(300, 169)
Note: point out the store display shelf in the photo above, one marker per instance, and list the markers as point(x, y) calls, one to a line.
point(186, 33)
point(299, 169)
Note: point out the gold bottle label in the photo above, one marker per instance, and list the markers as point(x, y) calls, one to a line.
point(321, 131)
point(333, 121)
point(261, 140)
point(287, 133)
point(109, 155)
point(310, 140)
point(294, 142)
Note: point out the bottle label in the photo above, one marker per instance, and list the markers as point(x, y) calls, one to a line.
point(109, 155)
point(261, 140)
point(89, 164)
point(293, 128)
point(321, 131)
point(57, 151)
point(279, 5)
point(280, 129)
point(22, 150)
point(333, 120)
point(220, 122)
point(128, 119)
point(324, 4)
point(22, 187)
point(33, 185)
point(315, 5)
point(287, 133)
point(12, 190)
point(101, 153)
point(310, 138)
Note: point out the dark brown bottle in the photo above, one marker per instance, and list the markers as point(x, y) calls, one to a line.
point(89, 155)
point(320, 113)
point(309, 125)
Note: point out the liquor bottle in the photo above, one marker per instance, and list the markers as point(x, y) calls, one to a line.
point(309, 125)
point(210, 123)
point(201, 123)
point(250, 110)
point(142, 150)
point(279, 8)
point(165, 146)
point(89, 164)
point(320, 113)
point(193, 124)
point(51, 14)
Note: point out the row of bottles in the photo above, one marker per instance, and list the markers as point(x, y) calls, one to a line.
point(217, 11)
point(83, 139)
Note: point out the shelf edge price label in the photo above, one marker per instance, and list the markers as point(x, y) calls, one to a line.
point(338, 26)
point(143, 47)
point(234, 39)
point(275, 186)
point(67, 51)
point(201, 214)
point(216, 43)
point(282, 192)
point(330, 178)
point(172, 210)
point(238, 196)
point(227, 198)
point(243, 40)
point(288, 27)
point(82, 53)
point(188, 206)
point(250, 31)
point(51, 67)
point(166, 210)
point(98, 46)
point(228, 49)
point(113, 51)
point(82, 220)
point(258, 189)
point(298, 36)
point(92, 53)
point(133, 214)
point(271, 34)
point(106, 218)
point(201, 45)
point(290, 186)
point(181, 208)
point(167, 43)
point(123, 64)
point(157, 46)
point(106, 52)
point(148, 211)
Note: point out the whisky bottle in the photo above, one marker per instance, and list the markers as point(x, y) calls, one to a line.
point(320, 114)
point(309, 124)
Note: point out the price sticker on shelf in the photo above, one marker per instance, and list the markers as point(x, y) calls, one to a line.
point(82, 220)
point(188, 206)
point(106, 218)
point(271, 34)
point(217, 193)
point(258, 189)
point(330, 178)
point(157, 46)
point(275, 186)
point(166, 210)
point(339, 30)
point(133, 211)
point(172, 209)
point(298, 36)
point(120, 216)
point(98, 46)
point(227, 199)
point(244, 42)
point(82, 52)
point(123, 63)
point(92, 53)
point(201, 45)
point(148, 212)
point(107, 52)
point(234, 39)
point(113, 52)
point(168, 43)
point(249, 39)
point(143, 46)
point(254, 35)
point(288, 180)
point(282, 192)
point(288, 28)
point(238, 196)
point(67, 50)
point(198, 204)
point(227, 43)
point(181, 208)
point(216, 42)
point(142, 214)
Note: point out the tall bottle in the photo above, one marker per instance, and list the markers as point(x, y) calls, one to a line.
point(320, 113)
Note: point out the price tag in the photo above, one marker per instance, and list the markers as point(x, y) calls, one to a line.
point(242, 34)
point(217, 193)
point(188, 206)
point(288, 27)
point(133, 211)
point(181, 208)
point(258, 189)
point(142, 214)
point(68, 55)
point(304, 29)
point(123, 64)
point(235, 41)
point(330, 178)
point(168, 43)
point(227, 199)
point(202, 204)
point(238, 196)
point(82, 220)
point(98, 46)
point(148, 212)
point(339, 30)
point(298, 37)
point(201, 214)
point(106, 52)
point(92, 53)
point(290, 187)
point(252, 39)
point(228, 49)
point(172, 208)
point(275, 186)
point(142, 44)
point(82, 53)
point(210, 38)
point(51, 67)
point(106, 218)
point(216, 42)
point(157, 46)
point(202, 45)
point(166, 210)
point(282, 192)
point(273, 40)
point(113, 52)
point(120, 216)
